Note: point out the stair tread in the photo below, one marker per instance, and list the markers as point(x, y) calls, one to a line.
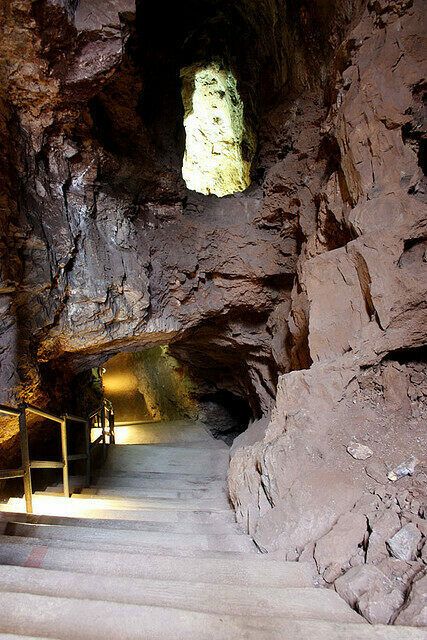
point(13, 636)
point(210, 549)
point(160, 476)
point(130, 477)
point(166, 433)
point(221, 500)
point(154, 489)
point(98, 620)
point(133, 503)
point(212, 493)
point(98, 502)
point(247, 569)
point(216, 527)
point(226, 541)
point(293, 602)
point(191, 625)
point(132, 515)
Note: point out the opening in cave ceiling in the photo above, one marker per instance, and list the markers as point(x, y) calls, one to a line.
point(219, 146)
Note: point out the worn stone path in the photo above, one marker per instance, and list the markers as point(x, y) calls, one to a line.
point(152, 551)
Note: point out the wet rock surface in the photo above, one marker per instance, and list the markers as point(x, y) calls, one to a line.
point(305, 295)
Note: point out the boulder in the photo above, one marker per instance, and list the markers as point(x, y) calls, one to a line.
point(404, 544)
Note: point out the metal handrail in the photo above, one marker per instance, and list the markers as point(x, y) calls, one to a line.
point(43, 414)
point(103, 419)
point(9, 410)
point(103, 414)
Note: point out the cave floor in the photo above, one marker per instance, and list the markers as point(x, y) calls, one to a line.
point(152, 550)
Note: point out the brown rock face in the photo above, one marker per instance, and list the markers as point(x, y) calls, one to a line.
point(305, 295)
point(358, 312)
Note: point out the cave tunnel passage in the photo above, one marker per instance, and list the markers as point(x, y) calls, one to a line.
point(152, 386)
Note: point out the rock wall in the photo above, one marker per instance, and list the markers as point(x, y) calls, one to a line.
point(163, 383)
point(103, 248)
point(312, 483)
point(148, 385)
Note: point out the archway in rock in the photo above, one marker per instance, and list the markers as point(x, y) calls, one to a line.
point(154, 386)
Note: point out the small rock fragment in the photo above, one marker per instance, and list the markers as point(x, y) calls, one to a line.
point(370, 591)
point(379, 605)
point(334, 550)
point(415, 611)
point(383, 527)
point(359, 451)
point(377, 471)
point(417, 377)
point(406, 468)
point(355, 582)
point(404, 544)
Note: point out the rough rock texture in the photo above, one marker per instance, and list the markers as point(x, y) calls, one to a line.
point(218, 148)
point(358, 314)
point(307, 291)
point(415, 610)
point(119, 383)
point(148, 385)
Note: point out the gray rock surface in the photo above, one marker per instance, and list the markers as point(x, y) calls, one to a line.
point(404, 544)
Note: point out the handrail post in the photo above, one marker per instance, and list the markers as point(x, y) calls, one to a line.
point(66, 482)
point(111, 422)
point(88, 456)
point(25, 455)
point(104, 439)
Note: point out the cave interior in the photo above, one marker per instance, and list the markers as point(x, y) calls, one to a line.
point(214, 212)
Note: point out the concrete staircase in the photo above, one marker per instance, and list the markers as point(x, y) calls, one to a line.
point(152, 551)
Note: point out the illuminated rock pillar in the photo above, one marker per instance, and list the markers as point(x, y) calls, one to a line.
point(219, 145)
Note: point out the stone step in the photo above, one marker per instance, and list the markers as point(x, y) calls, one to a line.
point(147, 483)
point(195, 493)
point(294, 603)
point(98, 510)
point(121, 497)
point(12, 636)
point(158, 479)
point(232, 569)
point(121, 501)
point(124, 525)
point(167, 452)
point(186, 495)
point(77, 619)
point(210, 541)
point(297, 630)
point(166, 433)
point(78, 501)
point(169, 549)
point(131, 459)
point(116, 502)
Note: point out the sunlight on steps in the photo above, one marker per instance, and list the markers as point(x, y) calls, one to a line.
point(57, 506)
point(152, 550)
